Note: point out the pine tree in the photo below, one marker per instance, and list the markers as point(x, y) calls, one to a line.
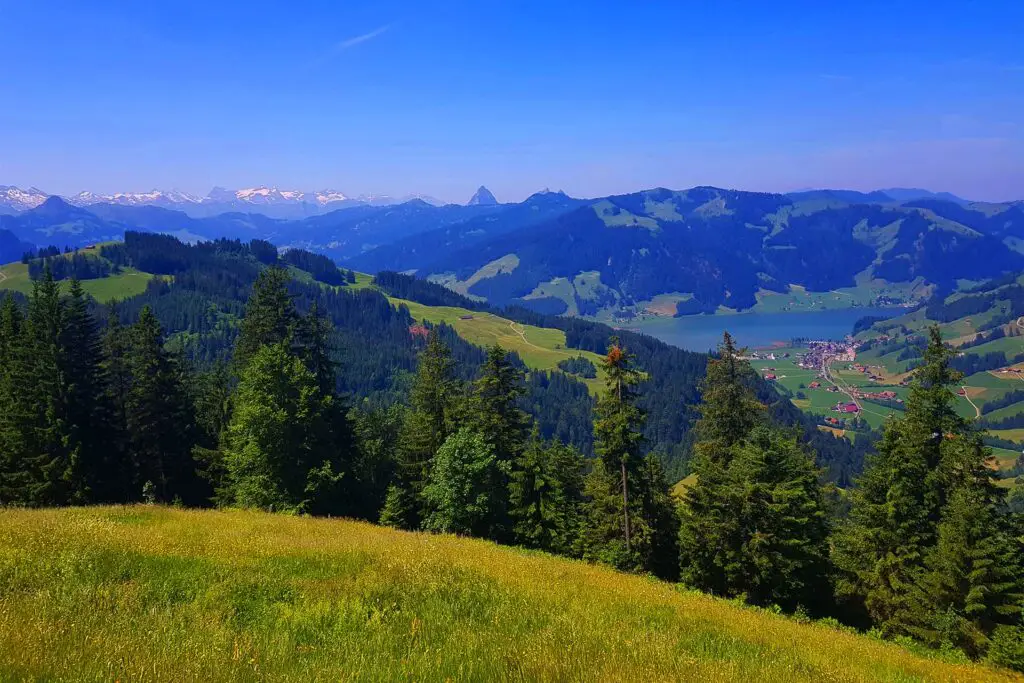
point(270, 316)
point(88, 412)
point(545, 495)
point(971, 584)
point(280, 454)
point(48, 456)
point(12, 410)
point(621, 527)
point(898, 502)
point(159, 419)
point(459, 494)
point(495, 415)
point(429, 421)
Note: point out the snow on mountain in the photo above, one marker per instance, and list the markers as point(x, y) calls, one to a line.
point(15, 199)
point(270, 201)
point(324, 197)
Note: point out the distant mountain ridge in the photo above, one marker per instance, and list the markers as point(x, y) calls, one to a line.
point(703, 248)
point(271, 201)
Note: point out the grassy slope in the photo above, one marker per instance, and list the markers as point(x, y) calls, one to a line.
point(128, 283)
point(541, 348)
point(163, 594)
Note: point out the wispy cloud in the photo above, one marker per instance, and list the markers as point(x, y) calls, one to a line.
point(356, 40)
point(346, 44)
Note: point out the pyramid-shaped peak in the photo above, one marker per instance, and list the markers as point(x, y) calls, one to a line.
point(483, 197)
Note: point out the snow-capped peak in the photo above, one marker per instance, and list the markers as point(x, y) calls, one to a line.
point(327, 196)
point(20, 200)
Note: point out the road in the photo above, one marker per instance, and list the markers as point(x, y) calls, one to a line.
point(977, 410)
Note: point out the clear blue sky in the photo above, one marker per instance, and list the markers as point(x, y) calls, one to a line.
point(590, 97)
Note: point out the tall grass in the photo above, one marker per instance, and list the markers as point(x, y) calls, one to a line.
point(150, 593)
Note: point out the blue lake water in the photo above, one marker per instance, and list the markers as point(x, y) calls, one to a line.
point(754, 330)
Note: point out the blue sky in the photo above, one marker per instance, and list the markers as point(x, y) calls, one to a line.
point(590, 97)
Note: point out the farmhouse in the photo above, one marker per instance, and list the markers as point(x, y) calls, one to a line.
point(770, 376)
point(848, 408)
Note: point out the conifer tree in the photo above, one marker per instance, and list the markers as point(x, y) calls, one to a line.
point(898, 502)
point(428, 423)
point(495, 415)
point(49, 456)
point(159, 418)
point(971, 584)
point(314, 338)
point(618, 529)
point(545, 495)
point(753, 524)
point(280, 453)
point(270, 316)
point(12, 410)
point(89, 426)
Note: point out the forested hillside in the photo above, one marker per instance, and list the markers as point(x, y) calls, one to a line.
point(723, 248)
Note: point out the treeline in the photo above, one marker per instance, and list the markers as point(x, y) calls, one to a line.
point(670, 384)
point(928, 549)
point(319, 266)
point(578, 366)
point(76, 265)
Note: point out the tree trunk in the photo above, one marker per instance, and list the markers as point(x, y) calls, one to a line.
point(625, 504)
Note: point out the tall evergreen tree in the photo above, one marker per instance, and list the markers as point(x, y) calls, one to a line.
point(971, 584)
point(270, 316)
point(12, 410)
point(546, 495)
point(49, 456)
point(621, 529)
point(89, 425)
point(898, 502)
point(495, 415)
point(428, 424)
point(314, 338)
point(280, 454)
point(159, 417)
point(753, 524)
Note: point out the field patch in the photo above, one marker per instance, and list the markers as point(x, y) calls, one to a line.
point(541, 348)
point(152, 593)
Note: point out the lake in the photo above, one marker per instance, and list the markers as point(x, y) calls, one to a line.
point(754, 330)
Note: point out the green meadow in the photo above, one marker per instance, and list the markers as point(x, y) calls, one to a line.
point(152, 593)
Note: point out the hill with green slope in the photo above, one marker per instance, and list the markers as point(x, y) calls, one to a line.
point(126, 282)
point(728, 248)
point(126, 593)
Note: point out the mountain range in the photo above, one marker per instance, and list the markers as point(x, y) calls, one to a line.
point(270, 201)
point(704, 247)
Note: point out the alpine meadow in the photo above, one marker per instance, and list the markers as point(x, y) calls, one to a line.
point(720, 377)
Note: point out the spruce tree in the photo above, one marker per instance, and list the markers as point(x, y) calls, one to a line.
point(48, 458)
point(545, 495)
point(898, 502)
point(709, 532)
point(270, 316)
point(121, 476)
point(621, 528)
point(89, 424)
point(753, 524)
point(159, 417)
point(12, 410)
point(280, 454)
point(496, 416)
point(971, 584)
point(428, 423)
